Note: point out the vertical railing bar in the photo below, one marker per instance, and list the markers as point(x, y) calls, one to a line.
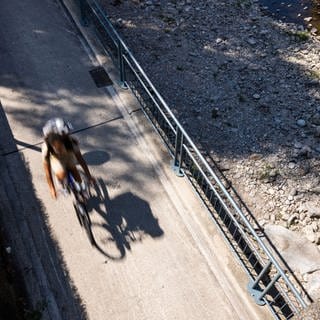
point(207, 188)
point(235, 229)
point(121, 66)
point(276, 297)
point(176, 146)
point(224, 219)
point(289, 301)
point(181, 152)
point(245, 248)
point(211, 194)
point(250, 255)
point(268, 287)
point(261, 274)
point(284, 305)
point(150, 94)
point(240, 239)
point(255, 264)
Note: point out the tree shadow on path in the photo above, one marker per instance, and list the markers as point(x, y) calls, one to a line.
point(126, 219)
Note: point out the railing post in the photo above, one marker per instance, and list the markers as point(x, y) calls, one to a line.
point(123, 82)
point(268, 287)
point(256, 292)
point(178, 151)
point(83, 13)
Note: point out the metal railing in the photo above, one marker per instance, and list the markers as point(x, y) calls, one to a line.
point(271, 281)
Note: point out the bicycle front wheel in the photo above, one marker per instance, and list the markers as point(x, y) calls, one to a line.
point(84, 220)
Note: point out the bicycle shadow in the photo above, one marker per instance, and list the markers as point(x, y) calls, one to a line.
point(125, 219)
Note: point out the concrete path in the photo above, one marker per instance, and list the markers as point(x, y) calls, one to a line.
point(158, 254)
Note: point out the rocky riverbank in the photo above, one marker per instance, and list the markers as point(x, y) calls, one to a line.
point(246, 89)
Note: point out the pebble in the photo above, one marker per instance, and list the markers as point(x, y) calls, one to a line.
point(273, 173)
point(298, 145)
point(315, 226)
point(302, 216)
point(291, 165)
point(291, 219)
point(293, 192)
point(285, 216)
point(264, 32)
point(255, 156)
point(271, 191)
point(301, 123)
point(314, 30)
point(256, 96)
point(252, 41)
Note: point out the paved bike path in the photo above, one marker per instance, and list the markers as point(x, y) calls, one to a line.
point(157, 257)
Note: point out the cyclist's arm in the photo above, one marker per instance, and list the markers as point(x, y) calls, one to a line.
point(47, 170)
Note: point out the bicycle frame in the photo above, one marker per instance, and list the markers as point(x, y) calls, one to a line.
point(75, 187)
point(79, 205)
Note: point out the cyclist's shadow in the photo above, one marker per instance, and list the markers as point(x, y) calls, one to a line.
point(126, 219)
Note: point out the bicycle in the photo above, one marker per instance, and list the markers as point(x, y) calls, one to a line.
point(79, 204)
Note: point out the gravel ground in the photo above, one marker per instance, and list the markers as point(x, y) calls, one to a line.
point(246, 88)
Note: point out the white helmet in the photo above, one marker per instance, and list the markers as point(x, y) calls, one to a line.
point(57, 125)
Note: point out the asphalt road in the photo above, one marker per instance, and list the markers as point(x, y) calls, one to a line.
point(158, 255)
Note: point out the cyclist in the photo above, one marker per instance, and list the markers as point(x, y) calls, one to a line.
point(61, 153)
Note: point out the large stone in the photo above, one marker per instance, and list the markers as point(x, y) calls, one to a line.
point(313, 286)
point(300, 254)
point(309, 233)
point(312, 210)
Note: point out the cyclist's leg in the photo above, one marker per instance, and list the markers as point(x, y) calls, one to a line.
point(82, 184)
point(71, 166)
point(61, 176)
point(75, 173)
point(59, 170)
